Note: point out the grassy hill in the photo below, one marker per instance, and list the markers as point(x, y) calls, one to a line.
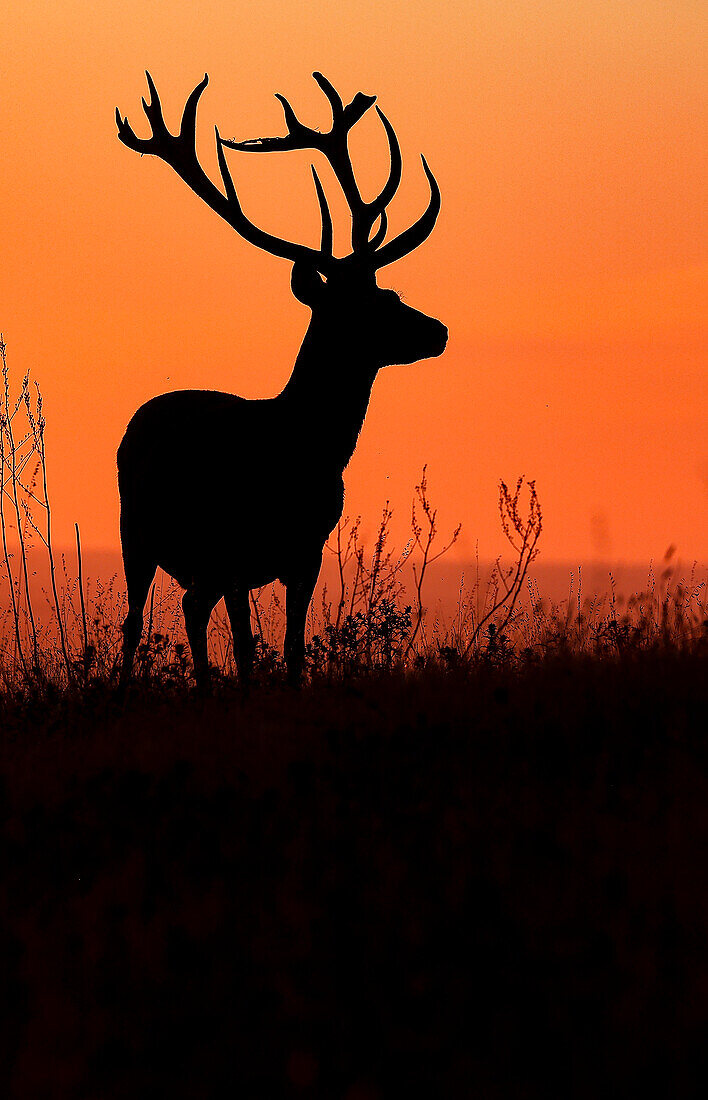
point(484, 881)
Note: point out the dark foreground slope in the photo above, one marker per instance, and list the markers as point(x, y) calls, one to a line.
point(482, 886)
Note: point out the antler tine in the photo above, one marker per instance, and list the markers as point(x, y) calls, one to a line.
point(291, 120)
point(298, 136)
point(188, 126)
point(226, 177)
point(325, 216)
point(335, 100)
point(153, 109)
point(126, 134)
point(394, 176)
point(410, 238)
point(380, 233)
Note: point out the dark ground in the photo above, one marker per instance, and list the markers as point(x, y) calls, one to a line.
point(488, 885)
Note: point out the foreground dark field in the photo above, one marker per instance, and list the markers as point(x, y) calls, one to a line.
point(489, 884)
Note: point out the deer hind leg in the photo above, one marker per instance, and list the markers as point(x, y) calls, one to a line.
point(239, 612)
point(297, 601)
point(139, 574)
point(198, 603)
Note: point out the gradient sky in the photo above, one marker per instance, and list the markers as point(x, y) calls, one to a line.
point(570, 260)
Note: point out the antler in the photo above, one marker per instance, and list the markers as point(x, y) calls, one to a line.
point(179, 151)
point(333, 144)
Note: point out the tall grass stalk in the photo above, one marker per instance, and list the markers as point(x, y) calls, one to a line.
point(37, 422)
point(19, 455)
point(9, 474)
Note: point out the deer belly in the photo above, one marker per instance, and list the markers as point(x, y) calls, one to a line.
point(248, 542)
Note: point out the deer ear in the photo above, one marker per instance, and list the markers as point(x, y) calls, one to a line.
point(307, 284)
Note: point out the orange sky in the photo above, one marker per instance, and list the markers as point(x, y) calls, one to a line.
point(569, 261)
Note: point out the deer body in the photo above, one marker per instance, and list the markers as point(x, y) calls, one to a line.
point(232, 492)
point(228, 494)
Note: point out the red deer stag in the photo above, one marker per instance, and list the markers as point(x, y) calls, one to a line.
point(227, 494)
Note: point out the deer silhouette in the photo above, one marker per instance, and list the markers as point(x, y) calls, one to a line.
point(228, 494)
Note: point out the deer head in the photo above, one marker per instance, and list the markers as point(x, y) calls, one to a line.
point(341, 291)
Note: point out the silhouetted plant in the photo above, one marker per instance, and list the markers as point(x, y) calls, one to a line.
point(367, 628)
point(505, 586)
point(23, 478)
point(15, 454)
point(424, 534)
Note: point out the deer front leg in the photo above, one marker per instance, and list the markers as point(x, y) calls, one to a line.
point(297, 601)
point(139, 573)
point(239, 612)
point(198, 603)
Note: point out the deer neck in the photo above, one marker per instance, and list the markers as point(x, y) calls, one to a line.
point(328, 393)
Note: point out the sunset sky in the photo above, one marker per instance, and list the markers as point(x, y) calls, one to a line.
point(569, 262)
